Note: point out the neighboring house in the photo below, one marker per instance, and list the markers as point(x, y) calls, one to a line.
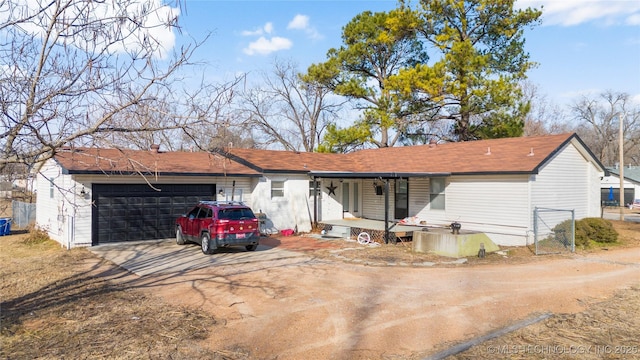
point(490, 186)
point(610, 186)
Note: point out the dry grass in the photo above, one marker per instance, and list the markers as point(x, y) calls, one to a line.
point(606, 330)
point(51, 310)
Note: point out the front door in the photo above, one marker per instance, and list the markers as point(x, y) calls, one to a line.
point(401, 210)
point(351, 199)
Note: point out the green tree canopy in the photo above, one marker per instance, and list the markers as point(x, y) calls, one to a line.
point(470, 79)
point(479, 47)
point(370, 55)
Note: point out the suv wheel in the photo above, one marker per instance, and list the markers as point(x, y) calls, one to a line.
point(205, 242)
point(251, 247)
point(179, 236)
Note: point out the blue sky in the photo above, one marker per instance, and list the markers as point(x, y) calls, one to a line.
point(582, 47)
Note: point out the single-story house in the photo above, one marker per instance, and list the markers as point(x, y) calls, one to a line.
point(89, 196)
point(610, 186)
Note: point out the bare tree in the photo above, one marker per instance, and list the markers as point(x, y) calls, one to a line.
point(544, 117)
point(599, 121)
point(288, 111)
point(206, 114)
point(80, 72)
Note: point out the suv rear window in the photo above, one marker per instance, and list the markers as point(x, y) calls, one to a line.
point(235, 214)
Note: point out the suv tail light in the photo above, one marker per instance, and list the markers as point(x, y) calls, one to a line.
point(221, 227)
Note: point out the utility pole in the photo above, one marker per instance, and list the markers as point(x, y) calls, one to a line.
point(621, 151)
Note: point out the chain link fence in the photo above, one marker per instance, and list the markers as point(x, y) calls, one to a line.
point(23, 214)
point(554, 231)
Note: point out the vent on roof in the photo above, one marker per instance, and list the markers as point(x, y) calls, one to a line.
point(488, 151)
point(155, 148)
point(531, 152)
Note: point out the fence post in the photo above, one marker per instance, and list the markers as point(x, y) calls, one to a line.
point(573, 230)
point(535, 227)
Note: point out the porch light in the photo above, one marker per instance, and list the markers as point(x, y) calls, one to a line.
point(377, 188)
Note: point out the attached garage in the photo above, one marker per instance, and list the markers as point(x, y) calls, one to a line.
point(132, 212)
point(91, 196)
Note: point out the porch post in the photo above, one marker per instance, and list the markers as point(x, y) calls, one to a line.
point(386, 211)
point(315, 201)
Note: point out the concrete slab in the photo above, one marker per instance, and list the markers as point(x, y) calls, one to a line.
point(164, 256)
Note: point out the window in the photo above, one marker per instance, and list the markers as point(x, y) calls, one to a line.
point(345, 197)
point(236, 214)
point(356, 197)
point(314, 187)
point(205, 213)
point(193, 213)
point(51, 189)
point(277, 189)
point(437, 194)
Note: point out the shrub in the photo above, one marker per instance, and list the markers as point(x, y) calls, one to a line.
point(600, 230)
point(36, 236)
point(588, 230)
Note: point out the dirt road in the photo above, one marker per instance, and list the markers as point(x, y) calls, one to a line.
point(310, 308)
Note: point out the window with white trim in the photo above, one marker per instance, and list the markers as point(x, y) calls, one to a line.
point(314, 188)
point(277, 189)
point(437, 193)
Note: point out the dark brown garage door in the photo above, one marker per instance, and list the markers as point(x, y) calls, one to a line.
point(136, 212)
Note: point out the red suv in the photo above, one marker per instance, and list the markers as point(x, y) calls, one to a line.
point(215, 224)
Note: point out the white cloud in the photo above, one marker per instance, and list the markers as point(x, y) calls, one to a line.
point(634, 19)
point(266, 29)
point(299, 22)
point(152, 15)
point(575, 12)
point(264, 46)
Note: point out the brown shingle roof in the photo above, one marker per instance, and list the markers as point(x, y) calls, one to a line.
point(291, 161)
point(510, 155)
point(113, 161)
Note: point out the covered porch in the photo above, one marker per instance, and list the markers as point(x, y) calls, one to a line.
point(438, 240)
point(351, 227)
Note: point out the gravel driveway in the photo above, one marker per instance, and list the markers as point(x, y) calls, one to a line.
point(279, 303)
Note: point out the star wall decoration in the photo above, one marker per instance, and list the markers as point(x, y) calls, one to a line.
point(332, 189)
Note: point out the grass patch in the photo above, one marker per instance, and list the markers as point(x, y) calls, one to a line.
point(52, 310)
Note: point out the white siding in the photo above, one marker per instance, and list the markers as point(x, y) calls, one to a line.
point(372, 204)
point(288, 212)
point(594, 176)
point(488, 200)
point(66, 216)
point(568, 181)
point(496, 205)
point(418, 195)
point(330, 205)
